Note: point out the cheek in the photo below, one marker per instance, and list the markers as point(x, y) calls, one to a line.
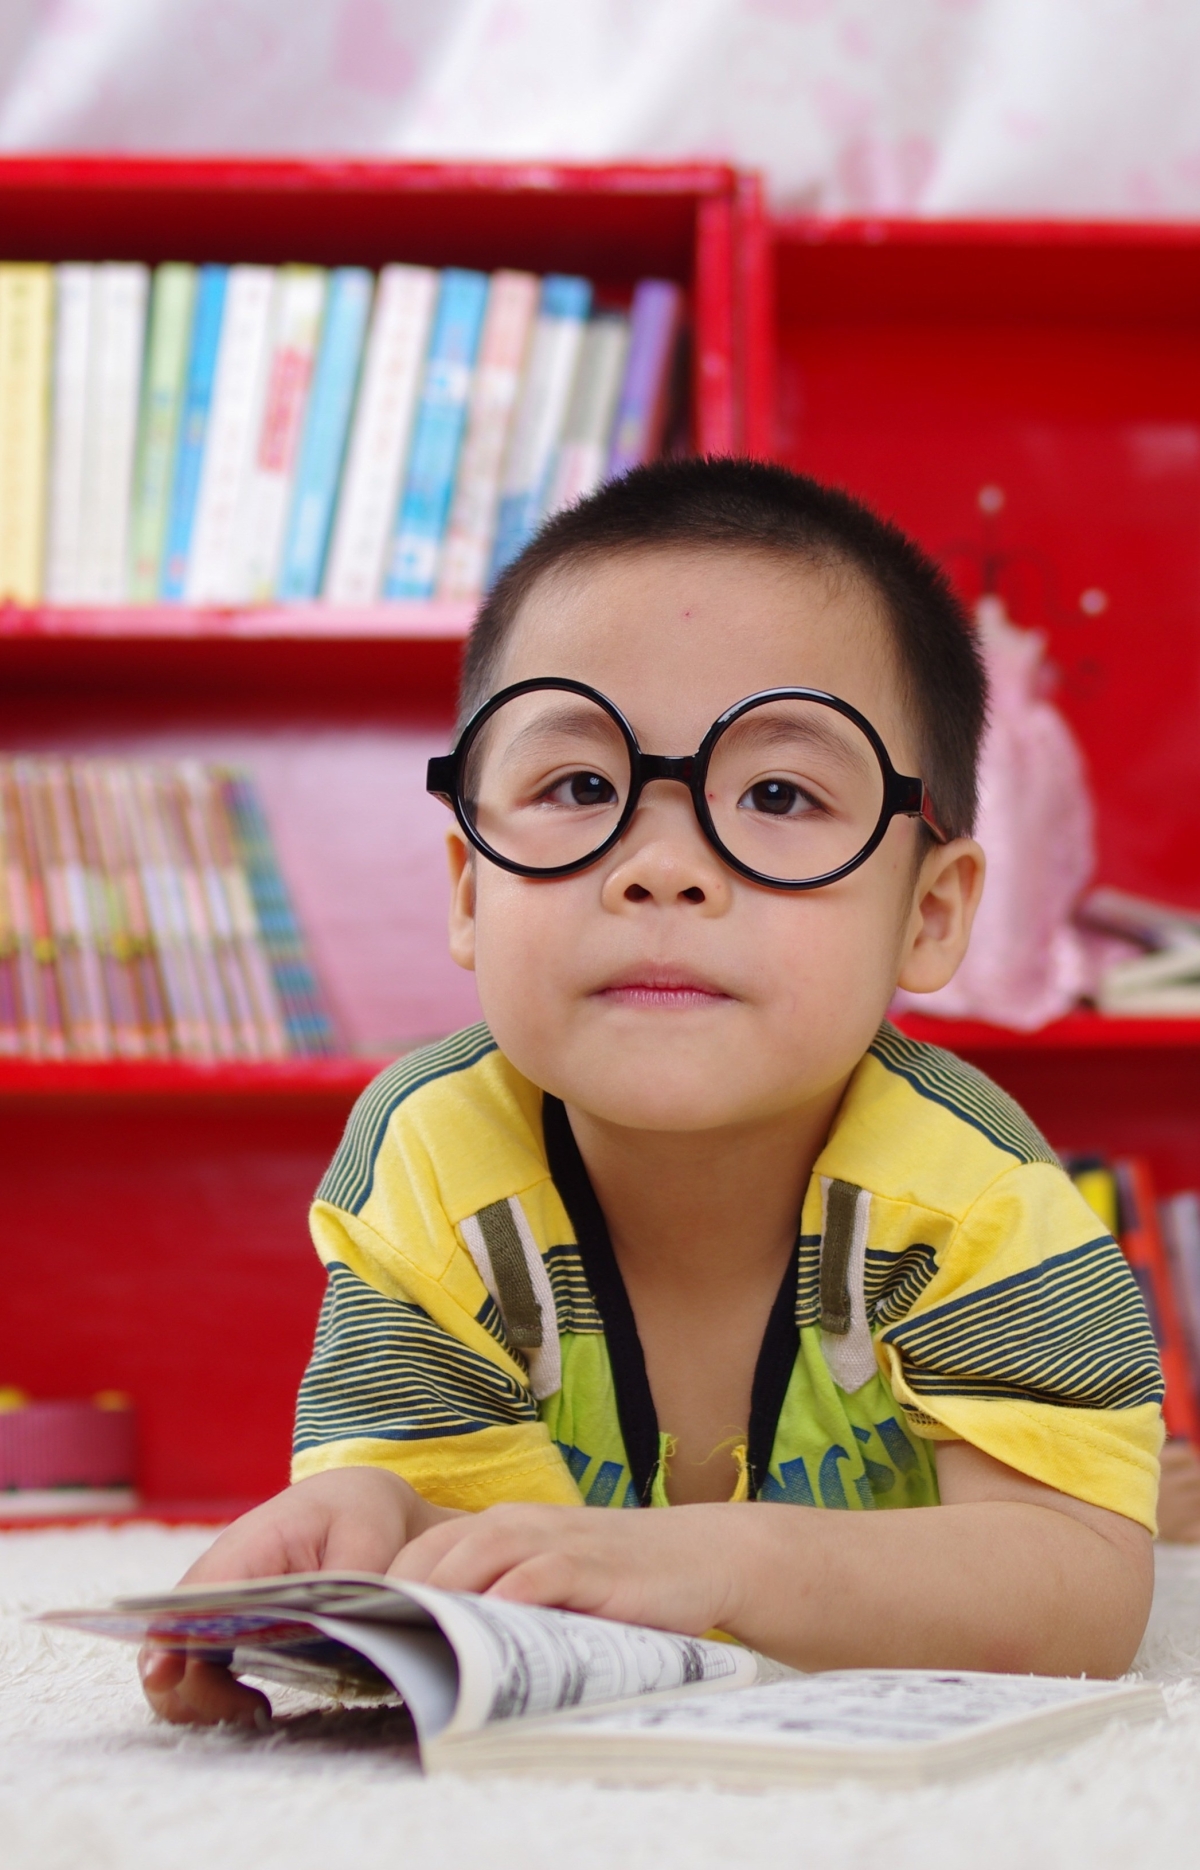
point(825, 955)
point(520, 930)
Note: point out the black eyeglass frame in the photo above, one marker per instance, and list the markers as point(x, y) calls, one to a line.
point(904, 796)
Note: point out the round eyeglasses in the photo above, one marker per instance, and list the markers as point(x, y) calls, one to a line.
point(792, 787)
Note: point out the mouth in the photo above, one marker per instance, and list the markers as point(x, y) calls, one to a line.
point(677, 989)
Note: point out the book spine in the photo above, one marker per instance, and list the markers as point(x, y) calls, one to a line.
point(93, 1037)
point(541, 411)
point(1142, 1245)
point(51, 999)
point(187, 886)
point(326, 426)
point(120, 855)
point(12, 1016)
point(211, 289)
point(118, 329)
point(213, 572)
point(654, 324)
point(508, 321)
point(41, 1026)
point(193, 786)
point(296, 327)
point(380, 434)
point(73, 289)
point(120, 981)
point(309, 1030)
point(437, 437)
point(57, 945)
point(587, 432)
point(252, 955)
point(172, 306)
point(26, 313)
point(11, 1034)
point(190, 1037)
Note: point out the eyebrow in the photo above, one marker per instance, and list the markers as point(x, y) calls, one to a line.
point(576, 717)
point(854, 753)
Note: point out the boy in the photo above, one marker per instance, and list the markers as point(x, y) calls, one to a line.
point(687, 1223)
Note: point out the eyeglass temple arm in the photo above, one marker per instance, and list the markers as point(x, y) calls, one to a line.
point(913, 801)
point(439, 777)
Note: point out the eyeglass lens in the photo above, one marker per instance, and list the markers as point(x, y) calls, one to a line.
point(794, 789)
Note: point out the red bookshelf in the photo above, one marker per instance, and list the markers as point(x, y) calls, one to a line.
point(155, 1233)
point(919, 362)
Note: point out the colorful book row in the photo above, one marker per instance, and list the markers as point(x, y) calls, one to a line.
point(143, 915)
point(245, 434)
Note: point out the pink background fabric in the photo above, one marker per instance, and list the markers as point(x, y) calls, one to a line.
point(1027, 962)
point(930, 107)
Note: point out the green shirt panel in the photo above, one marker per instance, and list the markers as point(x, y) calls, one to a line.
point(831, 1449)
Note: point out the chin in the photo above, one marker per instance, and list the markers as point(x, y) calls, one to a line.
point(645, 1100)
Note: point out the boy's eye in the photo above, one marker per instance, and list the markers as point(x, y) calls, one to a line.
point(776, 798)
point(582, 789)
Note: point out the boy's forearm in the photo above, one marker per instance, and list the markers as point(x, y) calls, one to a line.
point(999, 1585)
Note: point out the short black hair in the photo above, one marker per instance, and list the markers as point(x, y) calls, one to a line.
point(736, 505)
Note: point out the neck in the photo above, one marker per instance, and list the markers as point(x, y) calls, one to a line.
point(710, 1206)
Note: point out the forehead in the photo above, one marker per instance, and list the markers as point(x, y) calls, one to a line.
point(676, 635)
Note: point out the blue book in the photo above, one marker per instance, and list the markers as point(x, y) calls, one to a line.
point(202, 364)
point(327, 424)
point(540, 413)
point(412, 564)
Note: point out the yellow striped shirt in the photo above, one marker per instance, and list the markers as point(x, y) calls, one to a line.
point(948, 1283)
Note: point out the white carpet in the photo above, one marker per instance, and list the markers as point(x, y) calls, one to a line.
point(88, 1778)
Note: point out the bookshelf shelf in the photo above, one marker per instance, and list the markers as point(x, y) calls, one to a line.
point(1078, 1032)
point(400, 621)
point(285, 1080)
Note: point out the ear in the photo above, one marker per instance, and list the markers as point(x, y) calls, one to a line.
point(462, 899)
point(949, 885)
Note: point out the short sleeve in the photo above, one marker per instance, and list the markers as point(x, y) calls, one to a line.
point(427, 1390)
point(1030, 1340)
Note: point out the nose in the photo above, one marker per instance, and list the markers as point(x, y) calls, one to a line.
point(665, 859)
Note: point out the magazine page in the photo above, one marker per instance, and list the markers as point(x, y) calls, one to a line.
point(516, 1660)
point(889, 1725)
point(460, 1661)
point(870, 1707)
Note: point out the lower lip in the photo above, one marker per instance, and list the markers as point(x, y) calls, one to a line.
point(675, 998)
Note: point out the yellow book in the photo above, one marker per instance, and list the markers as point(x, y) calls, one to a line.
point(26, 314)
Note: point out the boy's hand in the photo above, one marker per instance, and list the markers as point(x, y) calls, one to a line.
point(674, 1570)
point(351, 1519)
point(1005, 1574)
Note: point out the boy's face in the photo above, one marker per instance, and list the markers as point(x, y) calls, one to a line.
point(659, 990)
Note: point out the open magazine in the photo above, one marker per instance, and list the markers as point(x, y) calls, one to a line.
point(493, 1686)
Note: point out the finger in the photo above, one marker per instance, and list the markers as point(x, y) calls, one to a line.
point(483, 1554)
point(418, 1559)
point(550, 1578)
point(255, 1546)
point(352, 1545)
point(160, 1670)
point(199, 1693)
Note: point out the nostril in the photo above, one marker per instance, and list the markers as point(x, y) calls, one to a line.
point(636, 893)
point(694, 895)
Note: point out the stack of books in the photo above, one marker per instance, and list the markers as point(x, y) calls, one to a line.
point(233, 435)
point(1163, 980)
point(143, 915)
